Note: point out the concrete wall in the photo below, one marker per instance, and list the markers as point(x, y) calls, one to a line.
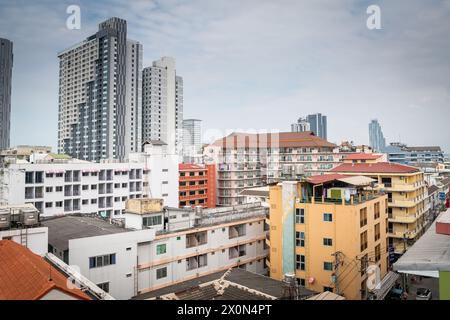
point(121, 276)
point(37, 238)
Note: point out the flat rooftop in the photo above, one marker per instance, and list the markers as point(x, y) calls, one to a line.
point(199, 289)
point(430, 253)
point(63, 229)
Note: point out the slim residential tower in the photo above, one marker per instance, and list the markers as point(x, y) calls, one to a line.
point(6, 63)
point(162, 104)
point(100, 95)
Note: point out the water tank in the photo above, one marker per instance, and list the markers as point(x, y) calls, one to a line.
point(29, 217)
point(5, 219)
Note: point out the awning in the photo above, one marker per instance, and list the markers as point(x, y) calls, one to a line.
point(357, 180)
point(383, 288)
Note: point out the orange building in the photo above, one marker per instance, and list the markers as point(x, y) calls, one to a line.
point(197, 185)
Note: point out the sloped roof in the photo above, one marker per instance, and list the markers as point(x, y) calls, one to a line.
point(326, 295)
point(363, 156)
point(429, 253)
point(27, 276)
point(264, 140)
point(379, 167)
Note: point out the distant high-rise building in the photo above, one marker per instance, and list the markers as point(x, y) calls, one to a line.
point(301, 125)
point(6, 64)
point(100, 95)
point(376, 138)
point(316, 123)
point(162, 104)
point(192, 137)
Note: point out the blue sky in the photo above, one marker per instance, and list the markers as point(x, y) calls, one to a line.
point(257, 64)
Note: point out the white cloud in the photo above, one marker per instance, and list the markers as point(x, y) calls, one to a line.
point(260, 64)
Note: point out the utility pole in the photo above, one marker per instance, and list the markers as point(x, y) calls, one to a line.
point(337, 263)
point(363, 268)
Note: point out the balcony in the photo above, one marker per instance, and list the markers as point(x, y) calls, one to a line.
point(403, 203)
point(193, 197)
point(403, 219)
point(196, 187)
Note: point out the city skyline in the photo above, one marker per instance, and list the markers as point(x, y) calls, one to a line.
point(399, 70)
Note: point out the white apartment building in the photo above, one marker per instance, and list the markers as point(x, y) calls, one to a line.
point(160, 246)
point(251, 160)
point(162, 104)
point(59, 185)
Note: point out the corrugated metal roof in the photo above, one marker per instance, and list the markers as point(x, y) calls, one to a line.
point(430, 253)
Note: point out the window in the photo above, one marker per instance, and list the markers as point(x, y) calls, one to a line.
point(300, 261)
point(59, 189)
point(58, 204)
point(327, 217)
point(93, 187)
point(102, 261)
point(104, 286)
point(363, 240)
point(377, 253)
point(152, 221)
point(301, 282)
point(363, 217)
point(29, 177)
point(48, 189)
point(161, 248)
point(299, 215)
point(328, 266)
point(85, 187)
point(327, 242)
point(48, 204)
point(299, 239)
point(377, 232)
point(377, 210)
point(161, 273)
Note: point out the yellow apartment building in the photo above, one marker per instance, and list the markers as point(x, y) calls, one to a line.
point(407, 192)
point(328, 230)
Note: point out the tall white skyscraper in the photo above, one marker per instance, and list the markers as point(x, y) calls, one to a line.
point(6, 64)
point(376, 137)
point(100, 95)
point(192, 139)
point(162, 104)
point(301, 125)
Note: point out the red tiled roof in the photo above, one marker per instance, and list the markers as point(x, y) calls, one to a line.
point(379, 167)
point(25, 275)
point(325, 178)
point(264, 140)
point(363, 156)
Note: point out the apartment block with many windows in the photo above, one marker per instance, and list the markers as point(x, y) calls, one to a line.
point(197, 185)
point(327, 230)
point(156, 246)
point(60, 185)
point(407, 193)
point(250, 160)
